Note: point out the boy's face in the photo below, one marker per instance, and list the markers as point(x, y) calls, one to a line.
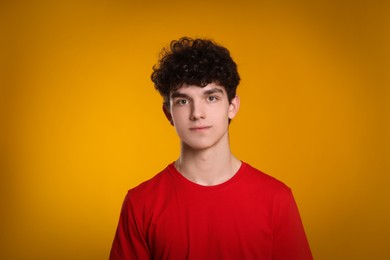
point(201, 115)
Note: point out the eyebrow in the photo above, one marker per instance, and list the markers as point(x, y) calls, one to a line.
point(213, 91)
point(177, 94)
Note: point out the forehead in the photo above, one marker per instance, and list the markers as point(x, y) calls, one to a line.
point(195, 89)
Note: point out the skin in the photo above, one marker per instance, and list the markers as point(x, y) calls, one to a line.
point(201, 119)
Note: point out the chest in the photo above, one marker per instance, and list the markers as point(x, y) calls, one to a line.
point(217, 225)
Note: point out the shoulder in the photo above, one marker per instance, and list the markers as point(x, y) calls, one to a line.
point(264, 182)
point(271, 192)
point(151, 188)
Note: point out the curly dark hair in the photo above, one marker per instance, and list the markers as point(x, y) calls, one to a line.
point(194, 62)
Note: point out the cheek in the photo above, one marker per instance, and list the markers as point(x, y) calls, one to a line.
point(222, 118)
point(179, 119)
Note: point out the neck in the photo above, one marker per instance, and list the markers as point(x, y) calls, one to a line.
point(208, 167)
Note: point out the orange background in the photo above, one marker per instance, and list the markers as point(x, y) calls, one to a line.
point(81, 122)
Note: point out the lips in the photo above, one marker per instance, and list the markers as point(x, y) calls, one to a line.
point(200, 128)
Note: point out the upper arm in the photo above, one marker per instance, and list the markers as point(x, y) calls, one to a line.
point(290, 241)
point(129, 241)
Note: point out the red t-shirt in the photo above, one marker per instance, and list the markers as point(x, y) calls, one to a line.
point(250, 216)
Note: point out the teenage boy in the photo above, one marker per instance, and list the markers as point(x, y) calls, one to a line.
point(207, 204)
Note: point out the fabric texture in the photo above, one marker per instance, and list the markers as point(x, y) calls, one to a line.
point(250, 216)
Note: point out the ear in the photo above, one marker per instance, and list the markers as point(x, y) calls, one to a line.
point(234, 107)
point(167, 114)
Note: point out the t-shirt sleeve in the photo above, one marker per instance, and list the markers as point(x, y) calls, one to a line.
point(129, 241)
point(290, 241)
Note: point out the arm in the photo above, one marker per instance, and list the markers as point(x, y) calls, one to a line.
point(129, 241)
point(290, 240)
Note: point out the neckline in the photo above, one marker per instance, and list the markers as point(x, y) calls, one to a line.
point(190, 184)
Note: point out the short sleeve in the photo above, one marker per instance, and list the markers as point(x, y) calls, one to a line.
point(129, 241)
point(290, 241)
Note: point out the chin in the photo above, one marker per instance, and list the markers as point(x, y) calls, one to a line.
point(199, 145)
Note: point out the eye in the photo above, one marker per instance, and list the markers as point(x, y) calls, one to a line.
point(181, 102)
point(212, 98)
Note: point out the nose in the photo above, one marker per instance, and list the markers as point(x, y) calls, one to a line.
point(197, 111)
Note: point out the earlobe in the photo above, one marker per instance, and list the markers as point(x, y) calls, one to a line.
point(234, 107)
point(167, 113)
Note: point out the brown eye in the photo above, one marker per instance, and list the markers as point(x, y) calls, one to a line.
point(182, 102)
point(212, 98)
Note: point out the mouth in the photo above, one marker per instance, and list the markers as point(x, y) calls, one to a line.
point(200, 128)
